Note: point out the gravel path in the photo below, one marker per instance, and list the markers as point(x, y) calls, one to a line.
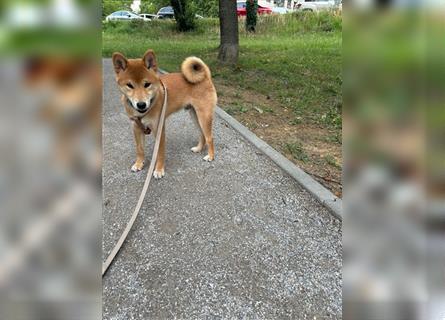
point(236, 238)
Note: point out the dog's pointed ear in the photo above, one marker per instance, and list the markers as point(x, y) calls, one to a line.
point(119, 62)
point(150, 60)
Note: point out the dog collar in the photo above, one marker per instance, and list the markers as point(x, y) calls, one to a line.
point(138, 121)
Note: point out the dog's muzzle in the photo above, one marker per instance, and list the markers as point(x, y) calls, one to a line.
point(151, 102)
point(141, 106)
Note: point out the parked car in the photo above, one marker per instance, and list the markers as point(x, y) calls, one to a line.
point(149, 16)
point(241, 9)
point(315, 5)
point(280, 10)
point(166, 13)
point(123, 15)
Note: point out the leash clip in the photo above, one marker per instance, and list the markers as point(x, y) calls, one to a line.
point(145, 129)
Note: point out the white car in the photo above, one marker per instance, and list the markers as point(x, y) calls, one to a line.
point(315, 5)
point(149, 16)
point(280, 10)
point(123, 15)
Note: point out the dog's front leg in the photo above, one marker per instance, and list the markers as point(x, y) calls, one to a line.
point(139, 138)
point(159, 169)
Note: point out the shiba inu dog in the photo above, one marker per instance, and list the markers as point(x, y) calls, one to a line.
point(143, 96)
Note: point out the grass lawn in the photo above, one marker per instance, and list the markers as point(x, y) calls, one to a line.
point(286, 87)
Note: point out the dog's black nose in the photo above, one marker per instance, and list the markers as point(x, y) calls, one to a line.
point(141, 105)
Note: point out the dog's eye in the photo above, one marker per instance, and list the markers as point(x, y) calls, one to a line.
point(146, 85)
point(130, 85)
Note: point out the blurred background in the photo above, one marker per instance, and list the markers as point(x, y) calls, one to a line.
point(394, 160)
point(50, 160)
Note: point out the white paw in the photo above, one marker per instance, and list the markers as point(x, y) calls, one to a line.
point(207, 158)
point(137, 167)
point(196, 149)
point(158, 174)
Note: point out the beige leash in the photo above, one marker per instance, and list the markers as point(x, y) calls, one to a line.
point(124, 235)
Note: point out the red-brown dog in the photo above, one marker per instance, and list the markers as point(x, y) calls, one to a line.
point(143, 96)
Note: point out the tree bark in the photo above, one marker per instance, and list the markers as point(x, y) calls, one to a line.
point(229, 40)
point(251, 15)
point(185, 17)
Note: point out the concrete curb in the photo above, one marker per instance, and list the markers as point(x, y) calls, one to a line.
point(326, 197)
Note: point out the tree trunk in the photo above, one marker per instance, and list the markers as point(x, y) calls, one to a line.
point(184, 15)
point(251, 15)
point(228, 24)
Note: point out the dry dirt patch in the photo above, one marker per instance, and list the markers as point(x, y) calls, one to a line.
point(314, 148)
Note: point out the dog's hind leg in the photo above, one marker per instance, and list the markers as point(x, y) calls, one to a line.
point(201, 143)
point(205, 120)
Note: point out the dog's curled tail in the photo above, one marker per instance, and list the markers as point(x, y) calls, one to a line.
point(195, 70)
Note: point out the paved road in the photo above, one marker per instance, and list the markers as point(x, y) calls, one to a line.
point(236, 238)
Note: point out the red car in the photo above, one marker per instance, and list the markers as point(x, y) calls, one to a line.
point(241, 9)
